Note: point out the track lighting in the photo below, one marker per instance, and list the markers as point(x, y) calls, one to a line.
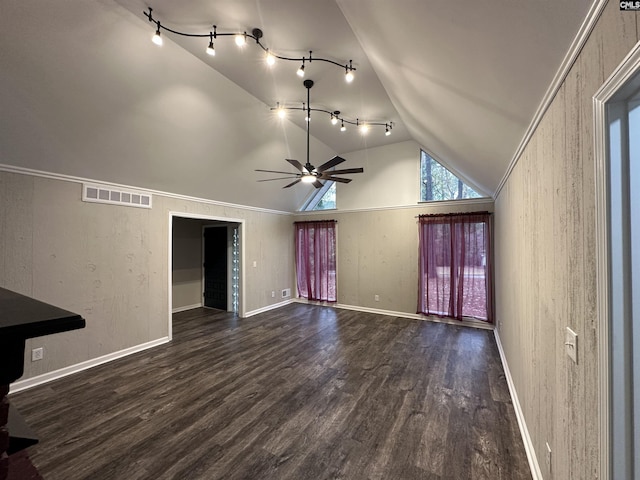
point(335, 117)
point(348, 72)
point(241, 40)
point(270, 59)
point(157, 39)
point(210, 49)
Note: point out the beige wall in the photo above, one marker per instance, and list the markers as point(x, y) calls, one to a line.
point(378, 253)
point(110, 263)
point(186, 280)
point(545, 261)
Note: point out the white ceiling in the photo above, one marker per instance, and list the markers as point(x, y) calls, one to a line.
point(461, 78)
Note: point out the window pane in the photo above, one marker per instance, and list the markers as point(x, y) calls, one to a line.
point(437, 183)
point(328, 200)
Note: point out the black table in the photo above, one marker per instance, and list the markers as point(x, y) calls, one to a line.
point(22, 317)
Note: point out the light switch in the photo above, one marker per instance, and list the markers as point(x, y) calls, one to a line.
point(571, 344)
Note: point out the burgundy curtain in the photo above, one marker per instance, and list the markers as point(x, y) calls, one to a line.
point(455, 266)
point(316, 260)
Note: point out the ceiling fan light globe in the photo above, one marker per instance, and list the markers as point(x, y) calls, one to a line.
point(308, 178)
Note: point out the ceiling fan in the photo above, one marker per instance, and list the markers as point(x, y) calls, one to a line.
point(308, 173)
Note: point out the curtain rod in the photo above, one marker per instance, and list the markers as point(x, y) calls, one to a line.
point(316, 221)
point(455, 214)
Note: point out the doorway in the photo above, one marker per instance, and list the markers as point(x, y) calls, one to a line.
point(214, 267)
point(617, 126)
point(224, 251)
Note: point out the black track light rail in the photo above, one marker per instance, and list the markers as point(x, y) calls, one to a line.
point(336, 114)
point(256, 34)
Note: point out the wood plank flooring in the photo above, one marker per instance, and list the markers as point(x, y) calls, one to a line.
point(302, 392)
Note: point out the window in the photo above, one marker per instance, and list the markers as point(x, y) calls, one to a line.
point(316, 260)
point(455, 266)
point(322, 199)
point(437, 183)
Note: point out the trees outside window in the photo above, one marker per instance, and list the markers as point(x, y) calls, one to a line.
point(437, 183)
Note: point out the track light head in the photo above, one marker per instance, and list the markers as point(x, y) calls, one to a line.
point(157, 39)
point(241, 39)
point(348, 72)
point(300, 71)
point(270, 59)
point(342, 127)
point(211, 49)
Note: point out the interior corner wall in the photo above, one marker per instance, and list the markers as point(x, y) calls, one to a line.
point(110, 263)
point(378, 253)
point(545, 261)
point(186, 277)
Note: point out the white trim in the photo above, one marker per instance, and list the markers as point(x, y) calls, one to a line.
point(267, 308)
point(73, 179)
point(614, 84)
point(569, 59)
point(79, 367)
point(412, 316)
point(524, 431)
point(422, 205)
point(186, 307)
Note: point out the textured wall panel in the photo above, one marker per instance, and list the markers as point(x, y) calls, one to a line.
point(545, 261)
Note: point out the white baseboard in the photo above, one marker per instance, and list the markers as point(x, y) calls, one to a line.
point(267, 308)
point(412, 316)
point(79, 367)
point(524, 431)
point(186, 307)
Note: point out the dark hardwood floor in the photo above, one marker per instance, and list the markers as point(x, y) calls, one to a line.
point(302, 392)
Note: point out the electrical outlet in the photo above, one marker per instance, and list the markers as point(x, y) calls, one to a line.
point(548, 456)
point(273, 294)
point(376, 298)
point(37, 354)
point(571, 344)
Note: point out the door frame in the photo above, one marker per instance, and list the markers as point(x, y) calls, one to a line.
point(616, 82)
point(196, 216)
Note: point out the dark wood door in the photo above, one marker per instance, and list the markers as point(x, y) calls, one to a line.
point(215, 267)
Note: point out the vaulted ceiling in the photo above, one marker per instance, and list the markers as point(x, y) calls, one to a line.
point(463, 79)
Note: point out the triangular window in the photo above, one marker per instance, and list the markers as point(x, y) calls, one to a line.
point(322, 199)
point(437, 183)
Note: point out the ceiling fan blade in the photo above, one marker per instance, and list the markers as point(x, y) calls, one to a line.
point(331, 163)
point(276, 171)
point(292, 184)
point(296, 164)
point(346, 170)
point(317, 184)
point(337, 179)
point(272, 179)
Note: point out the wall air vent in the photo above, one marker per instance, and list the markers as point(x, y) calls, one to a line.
point(115, 196)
